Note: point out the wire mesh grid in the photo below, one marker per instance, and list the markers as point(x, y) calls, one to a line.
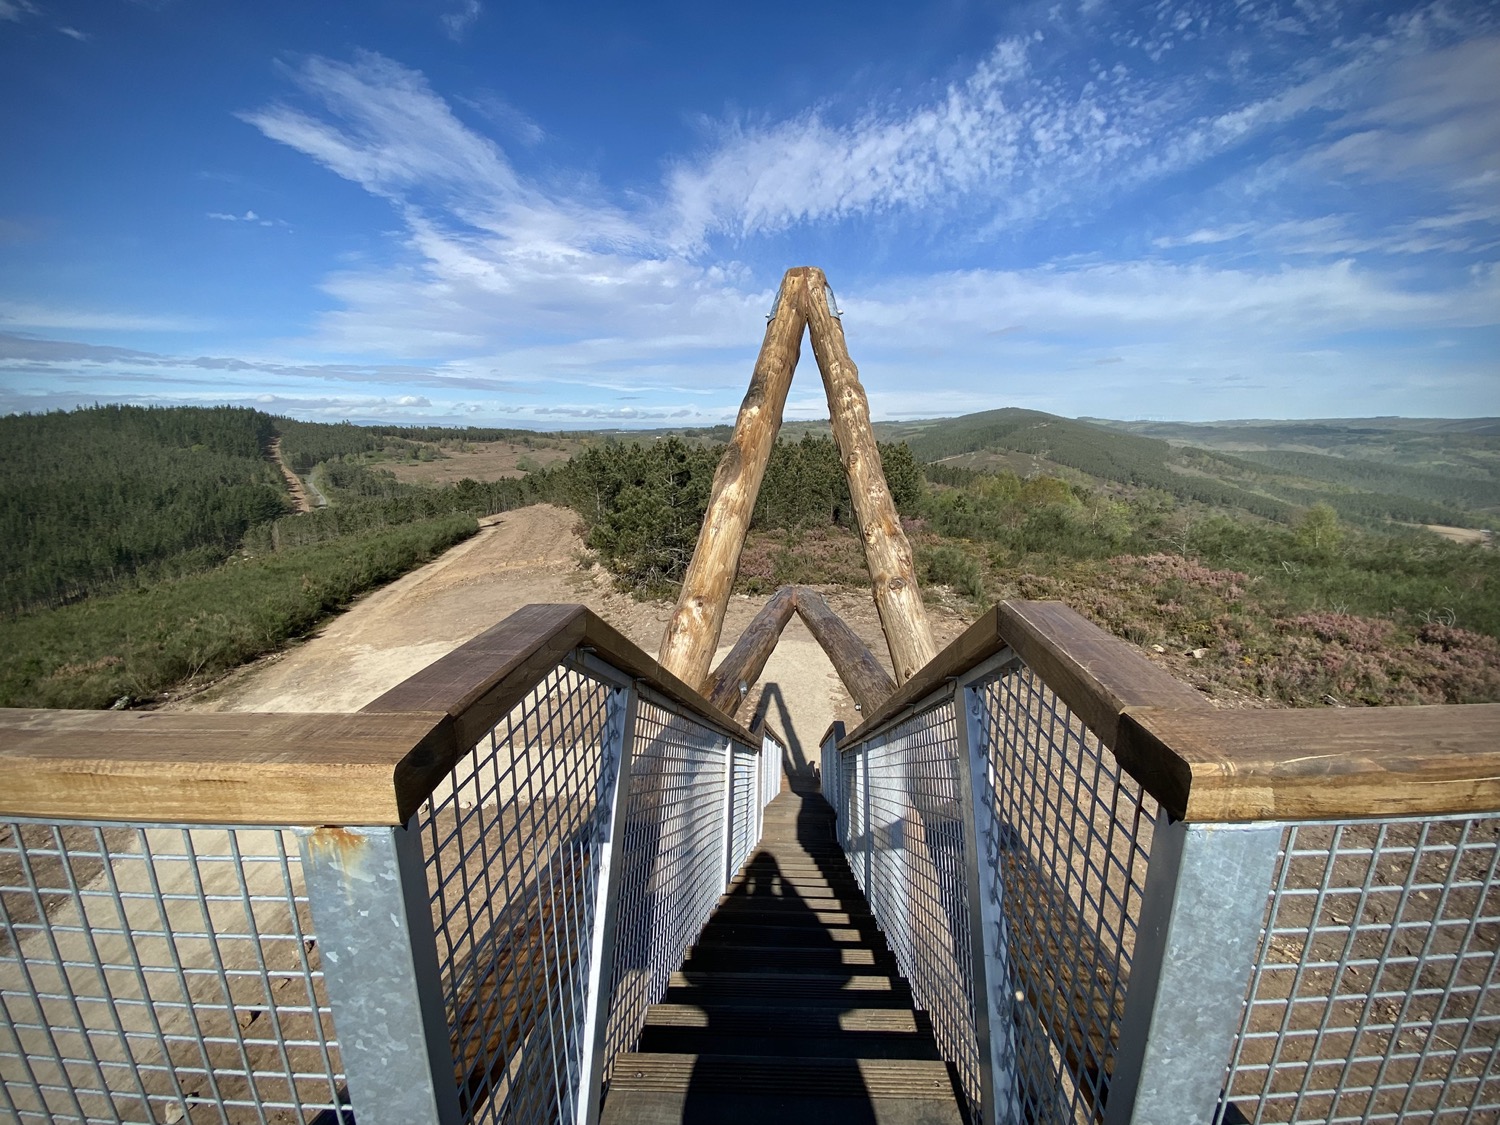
point(771, 754)
point(831, 778)
point(918, 875)
point(1376, 992)
point(512, 851)
point(743, 817)
point(163, 973)
point(1071, 856)
point(852, 830)
point(672, 859)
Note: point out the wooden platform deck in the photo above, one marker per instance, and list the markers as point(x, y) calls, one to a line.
point(790, 1008)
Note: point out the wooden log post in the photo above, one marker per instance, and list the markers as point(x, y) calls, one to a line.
point(744, 663)
point(887, 552)
point(687, 646)
point(856, 665)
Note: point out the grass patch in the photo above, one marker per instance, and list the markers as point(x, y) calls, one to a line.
point(135, 645)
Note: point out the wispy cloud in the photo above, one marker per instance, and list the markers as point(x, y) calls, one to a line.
point(503, 291)
point(1438, 119)
point(512, 122)
point(458, 22)
point(13, 11)
point(386, 131)
point(248, 217)
point(1040, 128)
point(20, 315)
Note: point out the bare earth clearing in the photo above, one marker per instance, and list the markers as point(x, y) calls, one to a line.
point(482, 461)
point(518, 558)
point(1459, 534)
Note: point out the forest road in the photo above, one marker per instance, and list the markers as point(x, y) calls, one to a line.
point(293, 481)
point(518, 558)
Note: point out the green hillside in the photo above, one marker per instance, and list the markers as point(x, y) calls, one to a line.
point(1467, 448)
point(166, 536)
point(96, 499)
point(1271, 486)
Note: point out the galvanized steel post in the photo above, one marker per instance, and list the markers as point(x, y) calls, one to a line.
point(1200, 924)
point(616, 743)
point(990, 941)
point(726, 864)
point(373, 917)
point(864, 822)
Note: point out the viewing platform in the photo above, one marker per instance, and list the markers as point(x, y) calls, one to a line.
point(544, 879)
point(550, 878)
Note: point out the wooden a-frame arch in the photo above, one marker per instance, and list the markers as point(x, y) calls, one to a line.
point(692, 636)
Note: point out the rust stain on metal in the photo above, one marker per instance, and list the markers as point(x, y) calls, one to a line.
point(339, 841)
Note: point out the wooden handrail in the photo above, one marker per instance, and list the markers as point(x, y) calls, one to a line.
point(377, 766)
point(1213, 766)
point(1317, 763)
point(172, 767)
point(373, 767)
point(478, 682)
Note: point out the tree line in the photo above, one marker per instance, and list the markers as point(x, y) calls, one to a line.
point(104, 497)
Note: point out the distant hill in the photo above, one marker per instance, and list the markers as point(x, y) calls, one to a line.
point(1465, 447)
point(1370, 470)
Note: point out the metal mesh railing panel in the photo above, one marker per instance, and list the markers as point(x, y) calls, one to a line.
point(512, 859)
point(918, 883)
point(1376, 993)
point(672, 860)
point(850, 825)
point(744, 820)
point(160, 973)
point(1071, 856)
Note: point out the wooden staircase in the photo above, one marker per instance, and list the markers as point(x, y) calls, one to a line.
point(790, 1008)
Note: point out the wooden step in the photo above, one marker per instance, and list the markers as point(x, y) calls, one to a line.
point(793, 1021)
point(652, 1089)
point(868, 1033)
point(795, 959)
point(750, 929)
point(847, 990)
point(790, 1008)
point(849, 903)
point(834, 915)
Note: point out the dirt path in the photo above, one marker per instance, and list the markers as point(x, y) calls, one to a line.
point(293, 481)
point(320, 500)
point(517, 559)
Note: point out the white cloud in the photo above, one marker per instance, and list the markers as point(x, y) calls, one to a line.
point(389, 132)
point(1436, 116)
point(500, 284)
point(73, 33)
point(1025, 136)
point(13, 11)
point(511, 121)
point(1171, 301)
point(248, 217)
point(458, 22)
point(16, 314)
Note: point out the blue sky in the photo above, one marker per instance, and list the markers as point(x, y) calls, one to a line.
point(567, 215)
